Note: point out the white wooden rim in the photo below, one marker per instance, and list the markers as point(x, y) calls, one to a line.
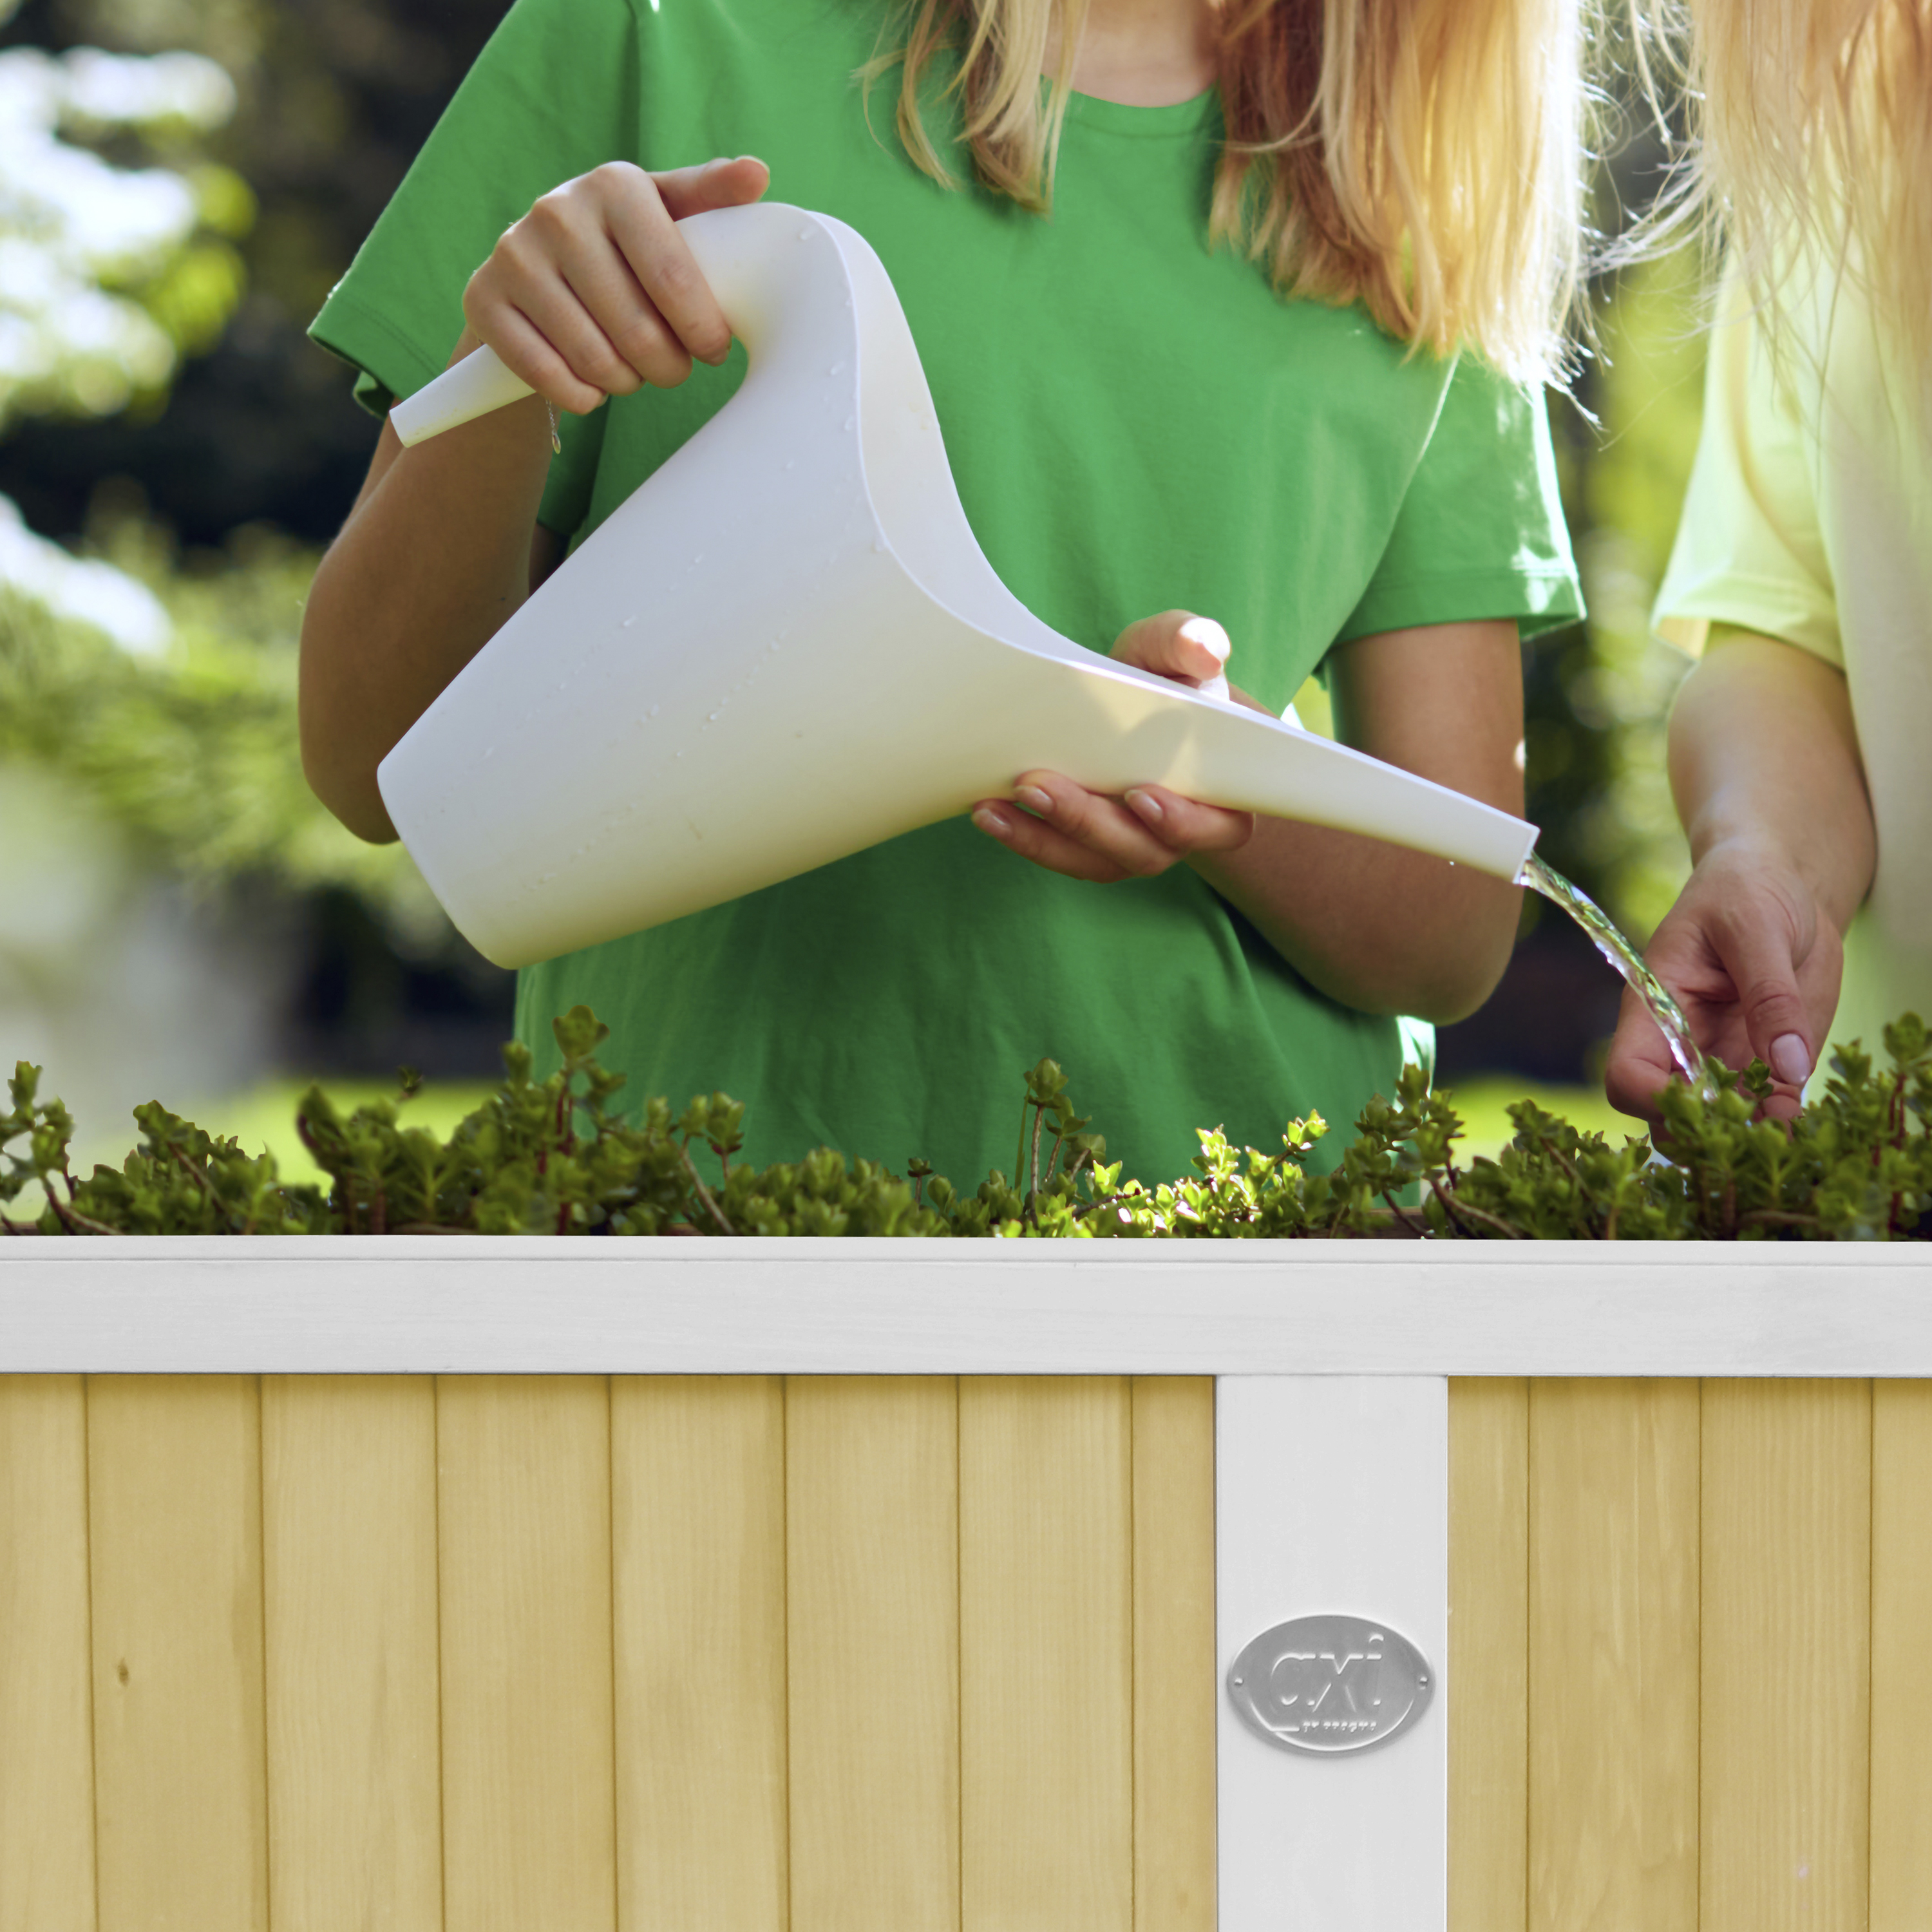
point(479, 1305)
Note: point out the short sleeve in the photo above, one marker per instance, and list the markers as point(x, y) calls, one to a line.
point(551, 96)
point(1481, 533)
point(1750, 551)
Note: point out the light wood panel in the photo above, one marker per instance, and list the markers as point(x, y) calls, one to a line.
point(872, 1539)
point(698, 1537)
point(1613, 1596)
point(1787, 1655)
point(1046, 1679)
point(1174, 1687)
point(524, 1559)
point(350, 1592)
point(47, 1759)
point(174, 1508)
point(1489, 1654)
point(1901, 1662)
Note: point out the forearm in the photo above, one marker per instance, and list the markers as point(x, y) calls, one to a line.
point(1764, 760)
point(1377, 926)
point(435, 557)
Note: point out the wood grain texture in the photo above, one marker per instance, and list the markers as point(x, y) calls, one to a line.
point(524, 1559)
point(1613, 1596)
point(174, 1505)
point(1786, 1655)
point(350, 1592)
point(1901, 1662)
point(698, 1541)
point(1045, 1647)
point(872, 1538)
point(1489, 1654)
point(47, 1759)
point(1175, 1688)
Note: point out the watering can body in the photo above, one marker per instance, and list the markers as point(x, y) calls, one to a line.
point(786, 645)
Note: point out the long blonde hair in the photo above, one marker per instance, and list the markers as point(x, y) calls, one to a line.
point(1810, 134)
point(1421, 156)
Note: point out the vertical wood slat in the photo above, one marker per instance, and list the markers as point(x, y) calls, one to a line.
point(47, 1760)
point(524, 1562)
point(1901, 1662)
point(350, 1592)
point(1046, 1797)
point(1614, 1596)
point(1175, 1688)
point(698, 1554)
point(174, 1508)
point(1489, 1654)
point(871, 1487)
point(1787, 1652)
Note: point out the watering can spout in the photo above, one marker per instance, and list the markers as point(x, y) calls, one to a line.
point(787, 645)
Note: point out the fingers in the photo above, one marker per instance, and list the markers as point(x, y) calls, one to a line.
point(719, 184)
point(1085, 835)
point(595, 293)
point(1639, 1067)
point(1191, 650)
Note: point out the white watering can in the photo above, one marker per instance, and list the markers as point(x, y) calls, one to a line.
point(786, 646)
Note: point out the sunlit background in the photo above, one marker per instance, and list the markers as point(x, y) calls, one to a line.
point(181, 181)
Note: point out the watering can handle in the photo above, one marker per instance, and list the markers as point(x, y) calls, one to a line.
point(471, 388)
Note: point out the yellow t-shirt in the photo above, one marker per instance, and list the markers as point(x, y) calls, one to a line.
point(1809, 519)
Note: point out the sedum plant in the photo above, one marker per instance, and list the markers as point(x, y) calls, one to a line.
point(551, 1157)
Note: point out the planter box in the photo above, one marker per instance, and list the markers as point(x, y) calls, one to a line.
point(768, 1587)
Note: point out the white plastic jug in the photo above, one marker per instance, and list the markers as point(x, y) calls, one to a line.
point(786, 646)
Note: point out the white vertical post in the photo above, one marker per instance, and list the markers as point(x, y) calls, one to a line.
point(1332, 1495)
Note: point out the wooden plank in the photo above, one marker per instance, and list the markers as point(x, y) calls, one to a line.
point(1613, 1660)
point(1786, 1655)
point(1046, 1655)
point(523, 1501)
point(1175, 1688)
point(477, 1304)
point(350, 1586)
point(1489, 1654)
point(175, 1516)
point(698, 1544)
point(872, 1541)
point(1334, 1496)
point(46, 1761)
point(1901, 1663)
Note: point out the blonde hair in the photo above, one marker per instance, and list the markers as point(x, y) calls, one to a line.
point(1810, 137)
point(1420, 157)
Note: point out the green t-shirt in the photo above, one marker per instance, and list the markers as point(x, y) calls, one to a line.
point(1135, 424)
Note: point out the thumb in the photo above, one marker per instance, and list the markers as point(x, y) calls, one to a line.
point(720, 183)
point(1761, 954)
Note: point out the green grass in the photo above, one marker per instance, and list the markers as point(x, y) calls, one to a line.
point(265, 1116)
point(1482, 1103)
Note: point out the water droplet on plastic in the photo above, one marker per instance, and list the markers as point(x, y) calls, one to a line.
point(805, 234)
point(776, 645)
point(627, 623)
point(837, 369)
point(697, 557)
point(851, 423)
point(878, 546)
point(791, 463)
point(654, 710)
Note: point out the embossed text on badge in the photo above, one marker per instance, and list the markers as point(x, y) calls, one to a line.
point(1330, 1683)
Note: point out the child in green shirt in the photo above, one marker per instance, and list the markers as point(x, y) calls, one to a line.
point(1162, 456)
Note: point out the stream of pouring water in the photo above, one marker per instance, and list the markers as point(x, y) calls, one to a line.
point(1625, 958)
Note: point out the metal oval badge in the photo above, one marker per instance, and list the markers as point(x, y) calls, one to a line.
point(1330, 1684)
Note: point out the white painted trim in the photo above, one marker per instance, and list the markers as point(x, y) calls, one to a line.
point(1332, 1494)
point(481, 1305)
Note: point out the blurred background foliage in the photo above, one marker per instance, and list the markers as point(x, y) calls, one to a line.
point(181, 182)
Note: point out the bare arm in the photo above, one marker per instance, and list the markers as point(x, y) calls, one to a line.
point(1766, 771)
point(593, 293)
point(1378, 927)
